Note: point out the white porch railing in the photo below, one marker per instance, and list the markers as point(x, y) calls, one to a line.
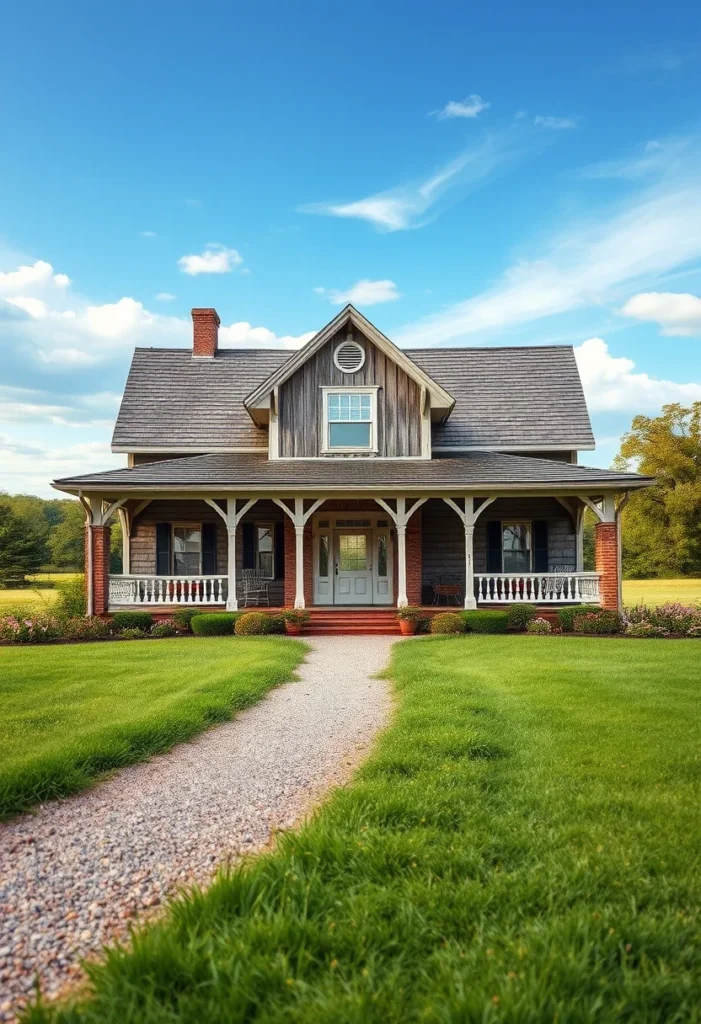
point(538, 588)
point(143, 590)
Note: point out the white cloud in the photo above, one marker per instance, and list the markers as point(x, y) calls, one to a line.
point(611, 384)
point(557, 123)
point(30, 279)
point(677, 313)
point(585, 264)
point(214, 259)
point(414, 204)
point(243, 335)
point(363, 293)
point(32, 406)
point(194, 203)
point(471, 106)
point(27, 468)
point(165, 297)
point(148, 234)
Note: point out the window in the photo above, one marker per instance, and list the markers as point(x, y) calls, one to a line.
point(352, 552)
point(187, 550)
point(324, 540)
point(265, 550)
point(516, 547)
point(350, 420)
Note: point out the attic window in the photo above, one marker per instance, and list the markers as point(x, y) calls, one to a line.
point(349, 356)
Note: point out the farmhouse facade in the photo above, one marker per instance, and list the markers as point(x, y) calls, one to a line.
point(351, 474)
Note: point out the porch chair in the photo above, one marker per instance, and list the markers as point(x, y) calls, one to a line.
point(448, 587)
point(255, 589)
point(555, 585)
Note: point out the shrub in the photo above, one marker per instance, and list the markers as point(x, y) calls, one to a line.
point(161, 630)
point(80, 628)
point(482, 620)
point(29, 629)
point(133, 633)
point(672, 617)
point(694, 631)
point(252, 624)
point(131, 620)
point(601, 623)
point(214, 624)
point(447, 622)
point(182, 618)
point(70, 602)
point(541, 626)
point(566, 616)
point(276, 624)
point(520, 615)
point(645, 629)
point(410, 613)
point(295, 616)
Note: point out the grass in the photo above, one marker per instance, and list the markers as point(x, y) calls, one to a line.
point(37, 599)
point(71, 713)
point(654, 592)
point(524, 846)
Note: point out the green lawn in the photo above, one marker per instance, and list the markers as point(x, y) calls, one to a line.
point(524, 846)
point(72, 712)
point(35, 600)
point(654, 592)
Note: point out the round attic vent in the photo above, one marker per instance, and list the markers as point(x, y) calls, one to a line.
point(349, 356)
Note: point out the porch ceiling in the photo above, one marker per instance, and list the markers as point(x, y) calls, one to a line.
point(472, 471)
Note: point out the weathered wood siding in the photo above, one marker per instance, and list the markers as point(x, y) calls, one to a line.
point(443, 536)
point(194, 513)
point(301, 404)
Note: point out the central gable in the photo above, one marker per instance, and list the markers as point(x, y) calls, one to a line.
point(382, 401)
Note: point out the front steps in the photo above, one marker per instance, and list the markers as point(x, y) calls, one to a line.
point(352, 622)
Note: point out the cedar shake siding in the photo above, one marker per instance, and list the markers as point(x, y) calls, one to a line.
point(301, 413)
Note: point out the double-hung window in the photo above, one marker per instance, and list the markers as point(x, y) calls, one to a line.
point(265, 550)
point(187, 551)
point(516, 547)
point(350, 420)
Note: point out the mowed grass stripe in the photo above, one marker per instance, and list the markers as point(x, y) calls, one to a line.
point(522, 847)
point(72, 712)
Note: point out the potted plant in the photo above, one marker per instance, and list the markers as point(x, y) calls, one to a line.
point(409, 620)
point(295, 619)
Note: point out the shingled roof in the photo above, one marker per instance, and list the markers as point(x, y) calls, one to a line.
point(238, 471)
point(525, 396)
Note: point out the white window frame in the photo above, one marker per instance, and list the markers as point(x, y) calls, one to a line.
point(528, 523)
point(370, 449)
point(265, 525)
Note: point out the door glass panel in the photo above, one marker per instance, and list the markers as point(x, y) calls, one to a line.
point(382, 555)
point(517, 547)
point(352, 552)
point(324, 554)
point(187, 545)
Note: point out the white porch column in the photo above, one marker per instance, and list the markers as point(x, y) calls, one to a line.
point(402, 599)
point(470, 601)
point(299, 567)
point(232, 602)
point(126, 541)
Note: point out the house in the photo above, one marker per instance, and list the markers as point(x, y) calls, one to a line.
point(351, 473)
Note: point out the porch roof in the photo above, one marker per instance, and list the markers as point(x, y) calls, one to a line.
point(469, 471)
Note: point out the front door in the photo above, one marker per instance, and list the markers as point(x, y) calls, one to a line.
point(353, 567)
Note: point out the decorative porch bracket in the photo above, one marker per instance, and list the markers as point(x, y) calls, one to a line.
point(401, 517)
point(299, 520)
point(469, 516)
point(97, 513)
point(232, 517)
point(126, 519)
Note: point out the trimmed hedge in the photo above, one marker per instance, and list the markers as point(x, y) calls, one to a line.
point(484, 620)
point(214, 623)
point(520, 615)
point(132, 620)
point(447, 622)
point(252, 624)
point(182, 618)
point(566, 616)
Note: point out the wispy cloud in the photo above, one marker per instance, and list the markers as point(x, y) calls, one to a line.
point(471, 106)
point(648, 58)
point(588, 263)
point(148, 234)
point(656, 157)
point(362, 293)
point(193, 203)
point(611, 383)
point(677, 313)
point(556, 123)
point(214, 259)
point(165, 297)
point(416, 203)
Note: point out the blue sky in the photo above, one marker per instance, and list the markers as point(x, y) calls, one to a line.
point(521, 174)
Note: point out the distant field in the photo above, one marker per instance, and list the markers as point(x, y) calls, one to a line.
point(38, 600)
point(654, 592)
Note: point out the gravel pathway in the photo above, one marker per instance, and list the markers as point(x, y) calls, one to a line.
point(75, 874)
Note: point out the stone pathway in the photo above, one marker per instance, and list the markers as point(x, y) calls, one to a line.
point(75, 873)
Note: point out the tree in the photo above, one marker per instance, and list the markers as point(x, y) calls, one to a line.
point(21, 550)
point(66, 543)
point(662, 524)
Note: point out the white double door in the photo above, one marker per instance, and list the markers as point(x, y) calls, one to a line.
point(353, 566)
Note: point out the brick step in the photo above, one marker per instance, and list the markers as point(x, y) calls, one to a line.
point(352, 631)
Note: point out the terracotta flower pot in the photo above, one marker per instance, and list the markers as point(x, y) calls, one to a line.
point(407, 626)
point(293, 628)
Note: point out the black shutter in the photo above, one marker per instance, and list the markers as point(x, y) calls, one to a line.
point(494, 562)
point(249, 545)
point(163, 536)
point(209, 549)
point(279, 551)
point(540, 546)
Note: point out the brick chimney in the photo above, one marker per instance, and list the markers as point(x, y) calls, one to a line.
point(205, 333)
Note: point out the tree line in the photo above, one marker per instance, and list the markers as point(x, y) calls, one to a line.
point(661, 526)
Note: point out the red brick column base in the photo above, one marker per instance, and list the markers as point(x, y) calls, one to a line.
point(606, 562)
point(413, 559)
point(100, 566)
